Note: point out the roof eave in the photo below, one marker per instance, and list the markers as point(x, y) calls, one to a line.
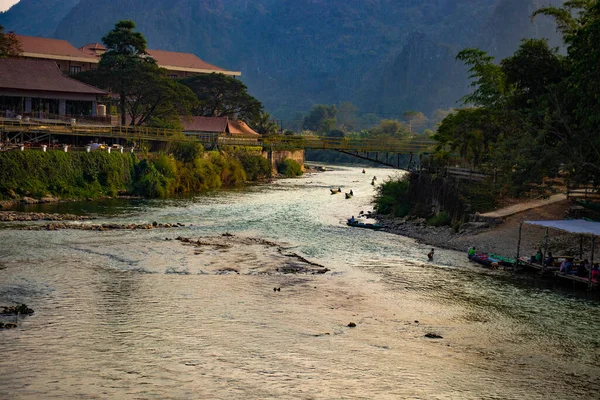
point(200, 70)
point(93, 60)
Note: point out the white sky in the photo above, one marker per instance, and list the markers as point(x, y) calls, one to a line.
point(6, 4)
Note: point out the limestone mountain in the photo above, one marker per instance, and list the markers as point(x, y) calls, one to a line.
point(36, 17)
point(385, 56)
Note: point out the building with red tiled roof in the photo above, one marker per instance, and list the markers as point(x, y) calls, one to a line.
point(68, 58)
point(181, 65)
point(28, 86)
point(218, 125)
point(93, 49)
point(72, 60)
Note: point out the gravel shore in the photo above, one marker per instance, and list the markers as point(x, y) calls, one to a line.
point(501, 239)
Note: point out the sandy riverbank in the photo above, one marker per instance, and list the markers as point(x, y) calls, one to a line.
point(501, 239)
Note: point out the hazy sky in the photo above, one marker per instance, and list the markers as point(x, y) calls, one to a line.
point(5, 4)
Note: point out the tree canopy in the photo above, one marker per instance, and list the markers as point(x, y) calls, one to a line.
point(220, 95)
point(9, 44)
point(535, 112)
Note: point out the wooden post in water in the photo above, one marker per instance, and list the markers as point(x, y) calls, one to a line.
point(545, 251)
point(519, 244)
point(581, 247)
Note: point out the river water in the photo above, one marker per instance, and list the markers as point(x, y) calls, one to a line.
point(128, 314)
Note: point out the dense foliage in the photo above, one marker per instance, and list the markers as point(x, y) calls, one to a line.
point(222, 96)
point(289, 168)
point(536, 113)
point(184, 168)
point(9, 44)
point(392, 198)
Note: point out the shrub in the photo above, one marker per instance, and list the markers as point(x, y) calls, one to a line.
point(289, 168)
point(392, 198)
point(256, 166)
point(442, 219)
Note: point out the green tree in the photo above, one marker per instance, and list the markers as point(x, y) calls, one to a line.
point(265, 125)
point(390, 128)
point(123, 61)
point(346, 116)
point(220, 95)
point(153, 97)
point(322, 119)
point(9, 44)
point(487, 78)
point(416, 120)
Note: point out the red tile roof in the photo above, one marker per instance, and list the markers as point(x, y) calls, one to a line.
point(56, 49)
point(52, 47)
point(216, 125)
point(94, 49)
point(204, 124)
point(182, 60)
point(39, 75)
point(237, 127)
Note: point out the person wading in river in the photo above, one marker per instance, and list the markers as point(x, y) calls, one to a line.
point(430, 255)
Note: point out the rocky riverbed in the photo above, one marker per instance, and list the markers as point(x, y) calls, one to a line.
point(501, 237)
point(16, 216)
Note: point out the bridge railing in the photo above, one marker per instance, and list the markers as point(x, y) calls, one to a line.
point(279, 142)
point(60, 128)
point(348, 144)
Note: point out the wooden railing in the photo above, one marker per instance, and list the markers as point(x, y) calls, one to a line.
point(272, 142)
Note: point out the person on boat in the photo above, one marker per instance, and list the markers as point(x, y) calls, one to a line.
point(471, 252)
point(595, 273)
point(364, 171)
point(352, 220)
point(583, 268)
point(351, 192)
point(549, 261)
point(537, 258)
point(340, 189)
point(430, 255)
point(374, 178)
point(566, 266)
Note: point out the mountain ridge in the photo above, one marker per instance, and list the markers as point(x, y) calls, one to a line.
point(385, 56)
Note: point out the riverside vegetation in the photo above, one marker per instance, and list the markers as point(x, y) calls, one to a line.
point(181, 168)
point(531, 121)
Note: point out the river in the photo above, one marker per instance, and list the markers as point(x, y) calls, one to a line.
point(129, 314)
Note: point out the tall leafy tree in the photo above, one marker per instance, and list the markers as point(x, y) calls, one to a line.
point(321, 119)
point(220, 95)
point(265, 125)
point(123, 61)
point(9, 44)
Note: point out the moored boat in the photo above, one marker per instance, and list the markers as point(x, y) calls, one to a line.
point(365, 225)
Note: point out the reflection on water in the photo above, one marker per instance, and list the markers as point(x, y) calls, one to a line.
point(128, 314)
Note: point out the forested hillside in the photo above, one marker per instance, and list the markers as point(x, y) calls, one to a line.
point(385, 56)
point(36, 17)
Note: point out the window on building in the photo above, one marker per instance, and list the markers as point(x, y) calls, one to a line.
point(173, 76)
point(74, 69)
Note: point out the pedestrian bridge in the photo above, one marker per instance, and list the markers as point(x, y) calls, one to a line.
point(39, 131)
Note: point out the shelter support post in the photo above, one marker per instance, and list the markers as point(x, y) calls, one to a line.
point(581, 247)
point(545, 250)
point(519, 245)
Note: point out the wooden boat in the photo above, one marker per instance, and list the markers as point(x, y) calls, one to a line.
point(489, 259)
point(348, 195)
point(335, 191)
point(365, 225)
